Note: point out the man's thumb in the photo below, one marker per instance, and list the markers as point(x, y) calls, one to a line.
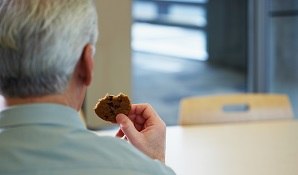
point(127, 126)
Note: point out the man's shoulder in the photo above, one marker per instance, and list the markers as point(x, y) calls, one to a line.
point(112, 153)
point(66, 149)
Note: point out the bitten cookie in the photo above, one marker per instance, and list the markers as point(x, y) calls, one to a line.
point(108, 107)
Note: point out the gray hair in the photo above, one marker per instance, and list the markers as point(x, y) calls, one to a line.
point(41, 42)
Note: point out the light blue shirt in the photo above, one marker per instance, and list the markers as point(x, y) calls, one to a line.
point(50, 139)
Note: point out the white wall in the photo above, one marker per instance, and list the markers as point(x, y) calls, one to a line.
point(113, 57)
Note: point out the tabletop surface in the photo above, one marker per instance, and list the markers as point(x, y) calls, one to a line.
point(236, 149)
point(259, 148)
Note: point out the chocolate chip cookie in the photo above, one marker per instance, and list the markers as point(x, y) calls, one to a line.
point(108, 107)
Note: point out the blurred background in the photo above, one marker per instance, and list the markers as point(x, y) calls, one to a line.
point(200, 47)
point(159, 51)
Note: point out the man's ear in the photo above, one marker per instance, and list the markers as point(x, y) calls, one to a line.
point(86, 65)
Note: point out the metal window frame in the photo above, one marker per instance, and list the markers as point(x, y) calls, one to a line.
point(260, 66)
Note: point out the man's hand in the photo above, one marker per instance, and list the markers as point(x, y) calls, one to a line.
point(144, 129)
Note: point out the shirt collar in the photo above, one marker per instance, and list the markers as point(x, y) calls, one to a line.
point(40, 114)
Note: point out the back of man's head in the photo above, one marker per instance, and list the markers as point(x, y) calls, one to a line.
point(41, 42)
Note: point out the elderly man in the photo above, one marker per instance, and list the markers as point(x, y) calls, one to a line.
point(46, 65)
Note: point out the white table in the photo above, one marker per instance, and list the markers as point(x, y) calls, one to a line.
point(260, 148)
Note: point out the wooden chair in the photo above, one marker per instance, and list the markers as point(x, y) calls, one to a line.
point(234, 108)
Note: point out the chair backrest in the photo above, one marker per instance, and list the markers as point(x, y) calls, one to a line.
point(234, 108)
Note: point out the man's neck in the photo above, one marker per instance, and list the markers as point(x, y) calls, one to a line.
point(57, 99)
